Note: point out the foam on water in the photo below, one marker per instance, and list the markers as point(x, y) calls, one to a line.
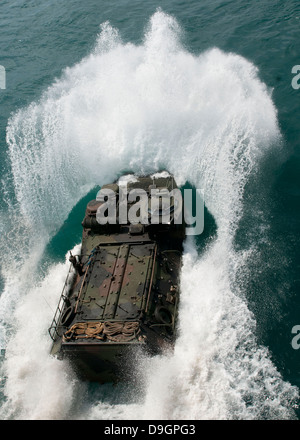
point(207, 119)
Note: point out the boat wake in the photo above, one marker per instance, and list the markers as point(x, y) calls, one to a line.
point(210, 121)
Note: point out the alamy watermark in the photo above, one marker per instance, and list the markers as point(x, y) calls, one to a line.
point(296, 339)
point(296, 79)
point(158, 206)
point(2, 78)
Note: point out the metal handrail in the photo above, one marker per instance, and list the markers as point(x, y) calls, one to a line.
point(63, 298)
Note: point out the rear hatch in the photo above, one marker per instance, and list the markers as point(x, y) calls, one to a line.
point(117, 282)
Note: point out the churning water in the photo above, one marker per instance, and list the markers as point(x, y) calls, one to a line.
point(208, 119)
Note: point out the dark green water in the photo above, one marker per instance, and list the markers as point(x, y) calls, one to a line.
point(48, 174)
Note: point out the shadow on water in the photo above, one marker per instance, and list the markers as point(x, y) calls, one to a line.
point(70, 232)
point(69, 235)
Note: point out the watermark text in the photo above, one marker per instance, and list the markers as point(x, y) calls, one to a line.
point(296, 339)
point(296, 79)
point(158, 206)
point(2, 78)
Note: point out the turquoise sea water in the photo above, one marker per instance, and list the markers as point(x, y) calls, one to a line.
point(202, 88)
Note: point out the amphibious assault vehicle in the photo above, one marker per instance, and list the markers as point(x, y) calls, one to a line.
point(122, 290)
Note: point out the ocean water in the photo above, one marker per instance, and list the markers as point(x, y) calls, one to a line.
point(203, 89)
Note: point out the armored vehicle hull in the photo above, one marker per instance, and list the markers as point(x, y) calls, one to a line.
point(122, 290)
